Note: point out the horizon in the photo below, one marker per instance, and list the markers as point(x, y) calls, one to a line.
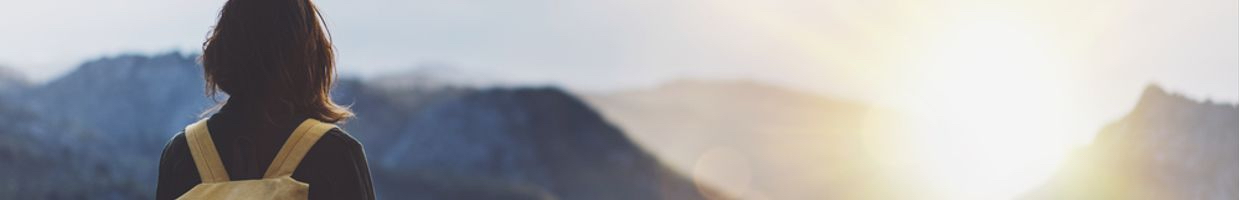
point(422, 71)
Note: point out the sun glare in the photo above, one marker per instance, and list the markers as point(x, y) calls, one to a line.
point(990, 118)
point(986, 90)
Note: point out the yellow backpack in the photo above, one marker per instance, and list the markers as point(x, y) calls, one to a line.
point(277, 182)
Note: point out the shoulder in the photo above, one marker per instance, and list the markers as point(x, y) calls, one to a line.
point(338, 140)
point(176, 144)
point(336, 149)
point(176, 152)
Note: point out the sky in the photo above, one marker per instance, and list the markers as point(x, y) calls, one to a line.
point(1068, 66)
point(838, 47)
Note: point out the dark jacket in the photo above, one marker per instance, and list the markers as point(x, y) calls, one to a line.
point(247, 141)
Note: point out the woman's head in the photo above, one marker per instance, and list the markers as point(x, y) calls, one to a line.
point(276, 52)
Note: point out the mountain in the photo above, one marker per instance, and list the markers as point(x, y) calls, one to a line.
point(103, 125)
point(11, 80)
point(97, 132)
point(36, 168)
point(757, 141)
point(1167, 147)
point(542, 140)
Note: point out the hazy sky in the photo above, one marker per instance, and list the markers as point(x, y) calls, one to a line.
point(1190, 46)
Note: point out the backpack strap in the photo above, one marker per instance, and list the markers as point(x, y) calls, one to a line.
point(296, 147)
point(206, 158)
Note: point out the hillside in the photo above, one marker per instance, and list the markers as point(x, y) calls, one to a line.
point(97, 132)
point(11, 80)
point(1167, 147)
point(538, 139)
point(756, 140)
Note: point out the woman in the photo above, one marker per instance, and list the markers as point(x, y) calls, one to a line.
point(274, 60)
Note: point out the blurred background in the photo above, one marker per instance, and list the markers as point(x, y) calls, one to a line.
point(671, 99)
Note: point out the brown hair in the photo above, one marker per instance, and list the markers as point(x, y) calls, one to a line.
point(274, 51)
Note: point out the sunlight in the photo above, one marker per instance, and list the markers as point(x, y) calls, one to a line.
point(990, 115)
point(988, 92)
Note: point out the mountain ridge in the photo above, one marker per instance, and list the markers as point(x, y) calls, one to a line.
point(112, 116)
point(1167, 147)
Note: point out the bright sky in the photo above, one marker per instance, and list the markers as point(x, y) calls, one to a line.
point(1026, 80)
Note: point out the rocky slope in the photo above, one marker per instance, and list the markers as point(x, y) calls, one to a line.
point(1167, 147)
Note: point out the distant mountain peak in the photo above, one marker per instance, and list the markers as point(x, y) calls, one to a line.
point(1154, 90)
point(131, 59)
point(1155, 95)
point(1156, 99)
